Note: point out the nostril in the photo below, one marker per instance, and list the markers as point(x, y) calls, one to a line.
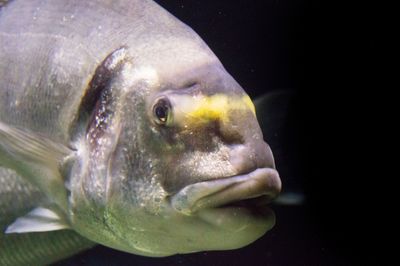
point(249, 156)
point(191, 84)
point(242, 159)
point(230, 132)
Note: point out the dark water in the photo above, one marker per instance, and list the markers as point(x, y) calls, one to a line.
point(317, 51)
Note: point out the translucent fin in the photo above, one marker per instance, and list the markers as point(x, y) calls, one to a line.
point(277, 113)
point(36, 158)
point(272, 112)
point(29, 145)
point(38, 220)
point(290, 199)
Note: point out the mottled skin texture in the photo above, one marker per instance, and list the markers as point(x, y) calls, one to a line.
point(123, 168)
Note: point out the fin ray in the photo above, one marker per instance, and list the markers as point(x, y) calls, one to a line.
point(35, 158)
point(38, 220)
point(29, 145)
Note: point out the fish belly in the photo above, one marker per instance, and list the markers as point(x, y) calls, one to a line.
point(18, 197)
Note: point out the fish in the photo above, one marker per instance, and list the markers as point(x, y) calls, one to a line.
point(119, 126)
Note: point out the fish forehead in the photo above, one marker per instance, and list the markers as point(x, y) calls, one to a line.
point(43, 82)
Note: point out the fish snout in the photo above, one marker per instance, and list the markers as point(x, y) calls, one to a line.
point(243, 136)
point(250, 156)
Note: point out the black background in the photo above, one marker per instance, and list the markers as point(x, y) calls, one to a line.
point(328, 53)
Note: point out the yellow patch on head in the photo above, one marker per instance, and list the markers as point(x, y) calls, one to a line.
point(210, 107)
point(201, 108)
point(246, 99)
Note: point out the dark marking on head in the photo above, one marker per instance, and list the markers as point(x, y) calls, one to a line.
point(101, 115)
point(95, 104)
point(3, 3)
point(191, 84)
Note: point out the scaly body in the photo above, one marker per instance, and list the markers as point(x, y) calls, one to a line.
point(118, 123)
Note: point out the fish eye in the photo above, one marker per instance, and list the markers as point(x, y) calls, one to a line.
point(162, 111)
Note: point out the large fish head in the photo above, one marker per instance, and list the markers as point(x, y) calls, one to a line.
point(176, 158)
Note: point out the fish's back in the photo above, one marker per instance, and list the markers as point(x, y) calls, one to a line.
point(50, 50)
point(43, 72)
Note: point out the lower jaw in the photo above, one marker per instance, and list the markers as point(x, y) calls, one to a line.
point(239, 218)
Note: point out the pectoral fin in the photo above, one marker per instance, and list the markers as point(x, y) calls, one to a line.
point(279, 118)
point(30, 146)
point(36, 158)
point(38, 220)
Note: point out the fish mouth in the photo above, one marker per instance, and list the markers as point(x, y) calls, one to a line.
point(249, 191)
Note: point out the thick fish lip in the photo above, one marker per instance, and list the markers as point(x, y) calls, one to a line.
point(262, 185)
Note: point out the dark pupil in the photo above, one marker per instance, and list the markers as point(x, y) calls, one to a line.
point(162, 113)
